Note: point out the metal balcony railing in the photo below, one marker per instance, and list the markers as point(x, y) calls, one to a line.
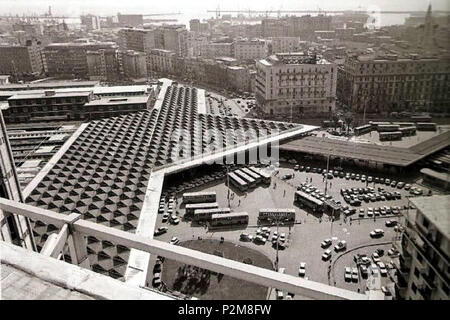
point(73, 231)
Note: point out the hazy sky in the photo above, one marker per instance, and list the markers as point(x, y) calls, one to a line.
point(76, 7)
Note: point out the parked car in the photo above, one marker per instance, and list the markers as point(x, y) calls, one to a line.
point(302, 269)
point(341, 245)
point(355, 275)
point(160, 231)
point(391, 223)
point(377, 233)
point(174, 240)
point(375, 257)
point(326, 255)
point(246, 237)
point(348, 274)
point(326, 243)
point(364, 271)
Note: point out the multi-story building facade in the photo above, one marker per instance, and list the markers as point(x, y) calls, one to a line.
point(103, 64)
point(90, 22)
point(196, 44)
point(283, 44)
point(250, 49)
point(75, 104)
point(161, 60)
point(383, 83)
point(423, 265)
point(69, 59)
point(198, 27)
point(31, 29)
point(293, 26)
point(175, 39)
point(134, 64)
point(222, 48)
point(139, 39)
point(17, 60)
point(239, 78)
point(295, 83)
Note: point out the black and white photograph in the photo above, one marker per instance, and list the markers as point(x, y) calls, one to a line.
point(216, 158)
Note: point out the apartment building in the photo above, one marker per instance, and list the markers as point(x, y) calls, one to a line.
point(175, 39)
point(250, 49)
point(295, 83)
point(423, 265)
point(69, 60)
point(161, 60)
point(103, 64)
point(383, 82)
point(21, 59)
point(134, 64)
point(283, 44)
point(222, 48)
point(90, 22)
point(239, 78)
point(139, 39)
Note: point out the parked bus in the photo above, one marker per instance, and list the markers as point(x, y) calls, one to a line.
point(191, 207)
point(363, 129)
point(426, 126)
point(276, 214)
point(388, 127)
point(206, 214)
point(265, 176)
point(237, 181)
point(389, 136)
point(227, 219)
point(309, 201)
point(198, 197)
point(408, 131)
point(421, 118)
point(252, 174)
point(251, 182)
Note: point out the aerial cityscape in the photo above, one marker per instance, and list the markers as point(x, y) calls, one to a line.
point(268, 150)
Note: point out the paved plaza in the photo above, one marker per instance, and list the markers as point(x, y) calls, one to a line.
point(305, 237)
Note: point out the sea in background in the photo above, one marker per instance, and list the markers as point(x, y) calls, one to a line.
point(381, 20)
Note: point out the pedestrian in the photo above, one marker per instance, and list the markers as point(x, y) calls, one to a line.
point(284, 193)
point(239, 202)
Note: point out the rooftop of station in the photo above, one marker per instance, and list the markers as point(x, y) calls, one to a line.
point(103, 171)
point(392, 155)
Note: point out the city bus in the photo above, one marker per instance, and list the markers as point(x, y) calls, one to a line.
point(308, 201)
point(198, 197)
point(426, 126)
point(275, 214)
point(408, 131)
point(388, 127)
point(421, 118)
point(237, 182)
point(389, 136)
point(191, 207)
point(226, 219)
point(265, 176)
point(206, 214)
point(363, 129)
point(251, 182)
point(252, 174)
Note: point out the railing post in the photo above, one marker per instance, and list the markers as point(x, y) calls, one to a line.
point(5, 232)
point(78, 249)
point(55, 243)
